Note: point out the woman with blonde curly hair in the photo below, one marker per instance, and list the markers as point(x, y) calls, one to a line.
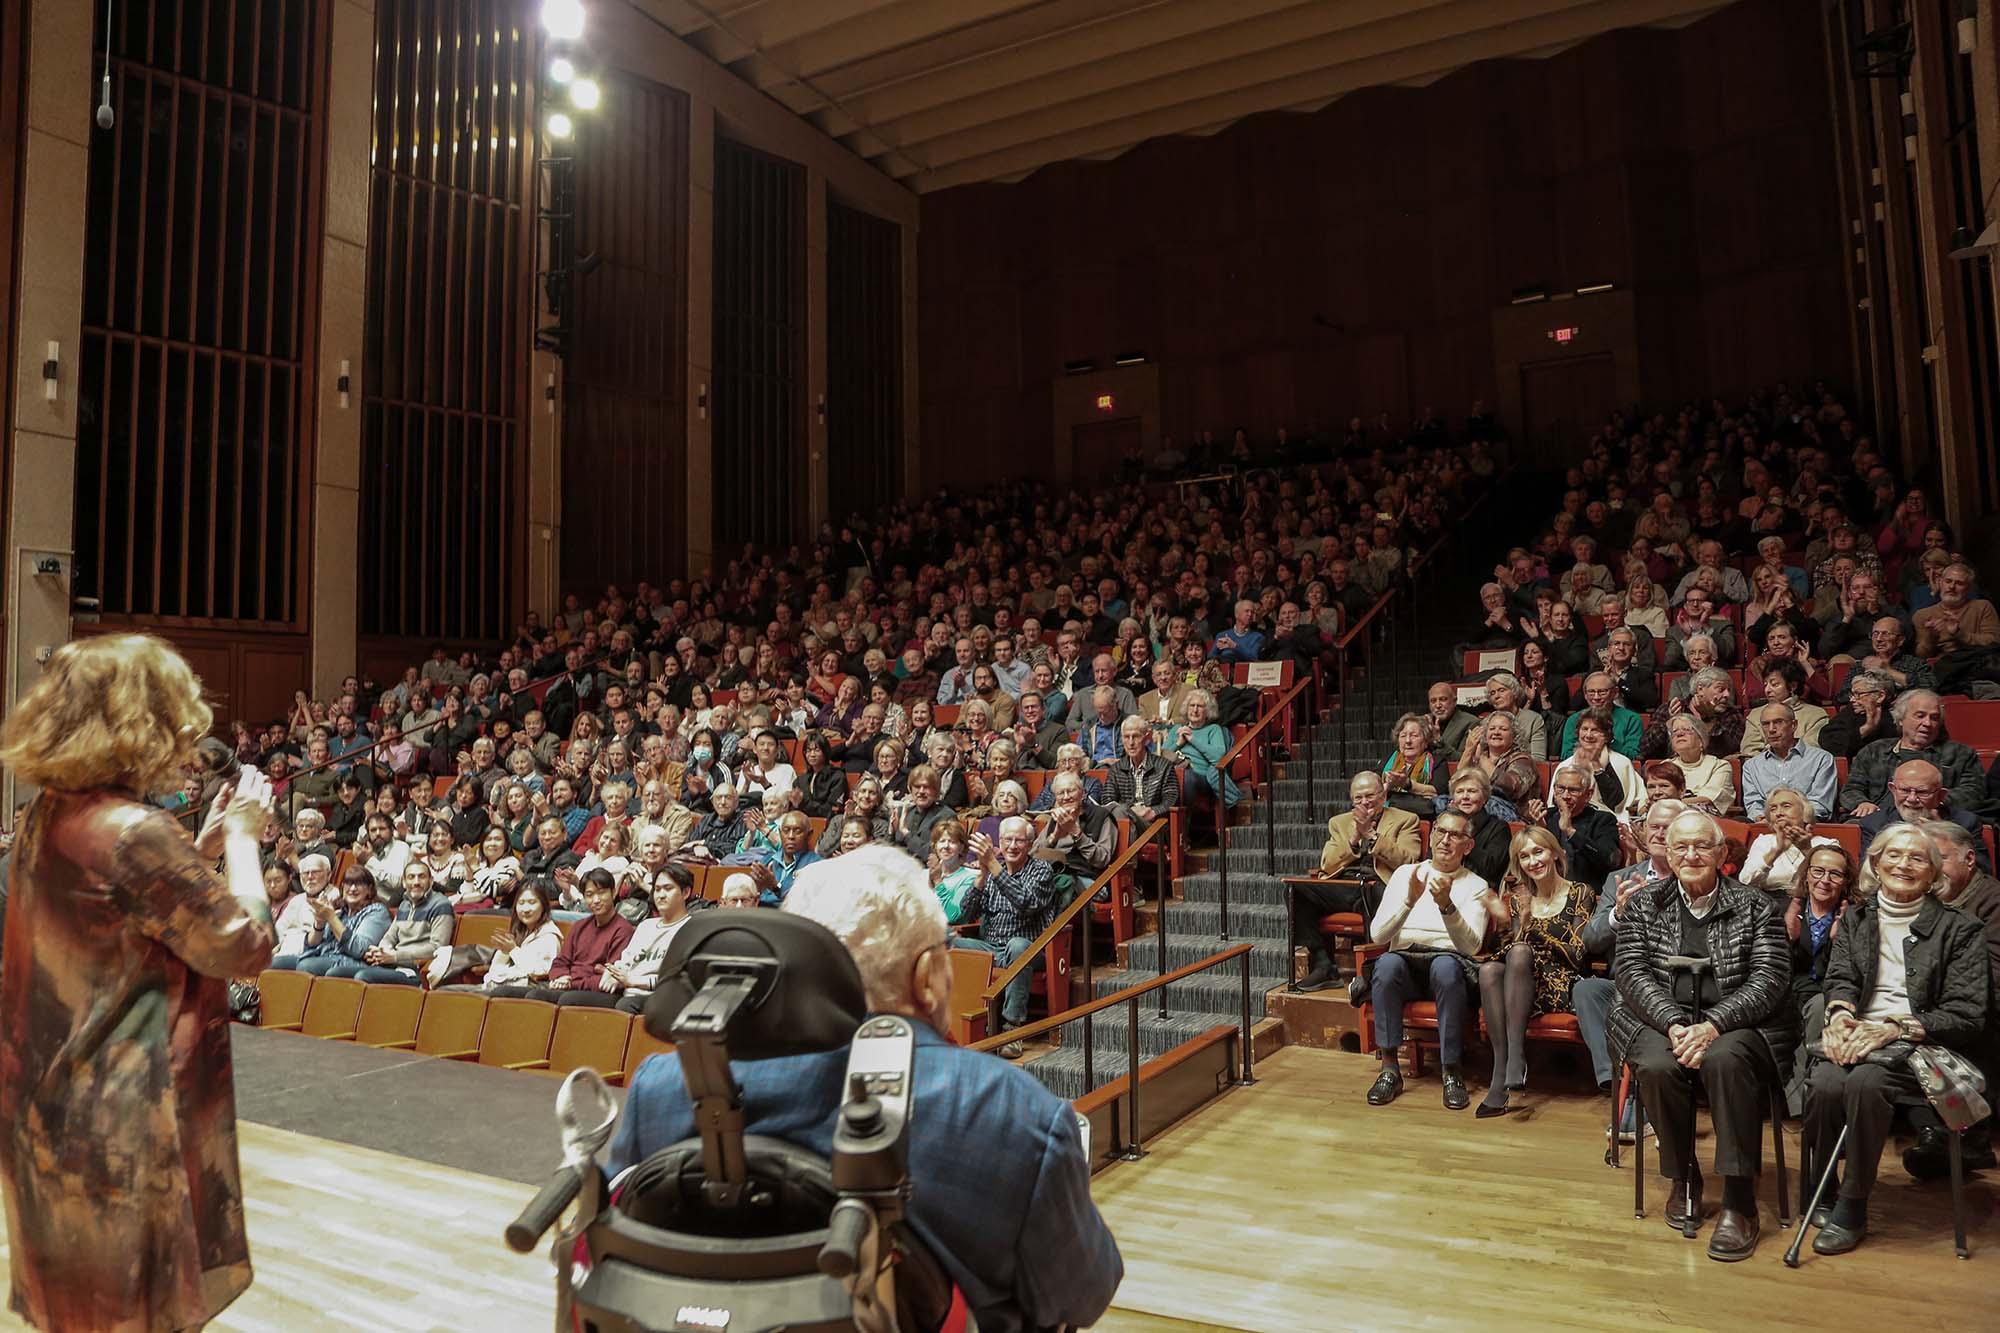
point(118, 1166)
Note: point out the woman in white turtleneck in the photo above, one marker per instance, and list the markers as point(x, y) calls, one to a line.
point(1906, 970)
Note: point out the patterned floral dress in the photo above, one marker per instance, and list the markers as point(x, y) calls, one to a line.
point(1557, 942)
point(117, 1109)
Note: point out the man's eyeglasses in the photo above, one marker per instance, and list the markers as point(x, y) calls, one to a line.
point(1450, 834)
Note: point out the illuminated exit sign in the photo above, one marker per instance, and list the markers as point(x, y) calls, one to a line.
point(1564, 335)
point(1105, 402)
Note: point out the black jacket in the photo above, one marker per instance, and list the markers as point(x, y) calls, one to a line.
point(1949, 979)
point(1752, 968)
point(1593, 849)
point(822, 792)
point(1491, 840)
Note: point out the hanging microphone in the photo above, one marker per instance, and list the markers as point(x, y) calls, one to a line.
point(106, 117)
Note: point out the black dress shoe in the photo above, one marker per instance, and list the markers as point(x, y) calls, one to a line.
point(1836, 1239)
point(1318, 979)
point(1821, 1216)
point(1930, 1158)
point(1456, 1098)
point(1735, 1237)
point(1387, 1088)
point(1680, 1201)
point(1488, 1111)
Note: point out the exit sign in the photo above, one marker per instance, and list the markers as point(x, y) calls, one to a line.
point(1105, 402)
point(1564, 335)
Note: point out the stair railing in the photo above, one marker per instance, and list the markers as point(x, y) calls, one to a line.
point(1259, 735)
point(1081, 903)
point(1130, 997)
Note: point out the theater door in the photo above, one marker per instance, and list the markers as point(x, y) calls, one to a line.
point(1097, 448)
point(1562, 404)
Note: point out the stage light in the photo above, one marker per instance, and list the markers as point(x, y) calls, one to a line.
point(560, 126)
point(561, 70)
point(563, 19)
point(584, 94)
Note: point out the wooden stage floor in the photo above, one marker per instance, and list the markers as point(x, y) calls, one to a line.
point(1290, 1205)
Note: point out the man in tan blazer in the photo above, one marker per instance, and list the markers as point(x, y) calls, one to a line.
point(1161, 705)
point(1367, 843)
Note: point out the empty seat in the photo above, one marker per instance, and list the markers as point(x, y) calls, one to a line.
point(517, 1034)
point(589, 1038)
point(478, 928)
point(332, 1008)
point(283, 1004)
point(389, 1016)
point(450, 1026)
point(643, 1044)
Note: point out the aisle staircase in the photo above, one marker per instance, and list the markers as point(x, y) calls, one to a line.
point(1409, 653)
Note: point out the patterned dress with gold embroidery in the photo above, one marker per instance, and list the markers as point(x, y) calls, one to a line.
point(1557, 942)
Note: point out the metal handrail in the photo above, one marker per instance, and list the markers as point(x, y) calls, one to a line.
point(1076, 905)
point(1257, 732)
point(1131, 996)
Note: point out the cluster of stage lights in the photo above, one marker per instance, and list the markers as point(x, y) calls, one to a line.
point(563, 21)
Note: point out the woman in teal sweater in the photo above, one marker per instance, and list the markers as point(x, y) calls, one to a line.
point(1199, 745)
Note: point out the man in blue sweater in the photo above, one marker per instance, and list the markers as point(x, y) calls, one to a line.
point(1001, 1187)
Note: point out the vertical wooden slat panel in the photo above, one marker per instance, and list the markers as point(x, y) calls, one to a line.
point(443, 261)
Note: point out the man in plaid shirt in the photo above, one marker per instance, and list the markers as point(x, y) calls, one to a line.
point(1017, 897)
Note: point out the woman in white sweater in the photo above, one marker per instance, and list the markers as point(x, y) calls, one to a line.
point(525, 953)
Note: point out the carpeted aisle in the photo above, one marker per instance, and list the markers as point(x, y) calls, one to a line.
point(496, 1122)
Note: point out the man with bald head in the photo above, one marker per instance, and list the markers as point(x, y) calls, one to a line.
point(1889, 656)
point(1917, 795)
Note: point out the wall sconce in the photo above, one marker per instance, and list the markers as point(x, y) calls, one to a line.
point(345, 382)
point(549, 392)
point(52, 371)
point(701, 402)
point(821, 408)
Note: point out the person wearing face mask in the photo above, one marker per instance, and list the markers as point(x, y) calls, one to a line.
point(1906, 970)
point(988, 1133)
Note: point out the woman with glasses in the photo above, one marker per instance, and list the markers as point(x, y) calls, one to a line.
point(1711, 783)
point(1906, 971)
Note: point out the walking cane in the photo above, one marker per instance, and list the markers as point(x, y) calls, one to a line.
point(1833, 1158)
point(1696, 969)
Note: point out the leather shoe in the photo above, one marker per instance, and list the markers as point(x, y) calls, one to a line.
point(1387, 1088)
point(1680, 1201)
point(1456, 1098)
point(1835, 1239)
point(1930, 1158)
point(1735, 1236)
point(1821, 1216)
point(1318, 979)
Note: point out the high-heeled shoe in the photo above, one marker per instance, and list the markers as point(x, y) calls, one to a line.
point(1487, 1111)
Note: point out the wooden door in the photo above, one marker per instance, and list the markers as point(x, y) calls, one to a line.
point(1562, 404)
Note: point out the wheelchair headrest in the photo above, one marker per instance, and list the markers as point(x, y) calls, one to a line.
point(813, 1002)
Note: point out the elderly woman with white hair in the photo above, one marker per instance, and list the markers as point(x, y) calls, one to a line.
point(1711, 783)
point(1506, 694)
point(1906, 971)
point(1075, 759)
point(987, 1131)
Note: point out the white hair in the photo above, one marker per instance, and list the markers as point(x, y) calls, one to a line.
point(877, 900)
point(316, 861)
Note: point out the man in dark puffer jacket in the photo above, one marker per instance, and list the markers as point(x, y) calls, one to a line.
point(1745, 1038)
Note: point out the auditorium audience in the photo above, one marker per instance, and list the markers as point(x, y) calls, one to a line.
point(1918, 717)
point(1774, 860)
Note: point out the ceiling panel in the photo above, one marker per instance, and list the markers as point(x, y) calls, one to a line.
point(951, 92)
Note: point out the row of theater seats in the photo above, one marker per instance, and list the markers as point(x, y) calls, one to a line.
point(517, 1034)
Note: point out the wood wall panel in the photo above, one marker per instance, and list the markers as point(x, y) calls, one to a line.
point(1693, 166)
point(13, 102)
point(624, 445)
point(759, 347)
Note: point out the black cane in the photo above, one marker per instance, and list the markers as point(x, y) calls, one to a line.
point(1696, 968)
point(1825, 1176)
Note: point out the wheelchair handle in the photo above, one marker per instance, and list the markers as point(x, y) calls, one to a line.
point(845, 1231)
point(526, 1231)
